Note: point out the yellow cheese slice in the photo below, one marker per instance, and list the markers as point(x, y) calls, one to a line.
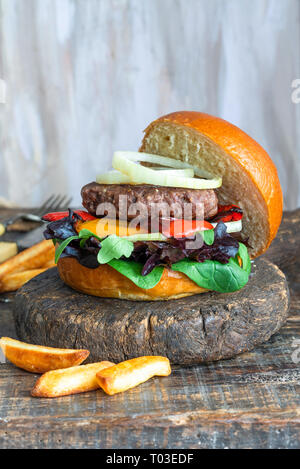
point(103, 227)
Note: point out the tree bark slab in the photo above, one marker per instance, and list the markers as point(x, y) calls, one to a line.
point(197, 329)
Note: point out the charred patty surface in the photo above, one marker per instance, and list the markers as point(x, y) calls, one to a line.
point(142, 197)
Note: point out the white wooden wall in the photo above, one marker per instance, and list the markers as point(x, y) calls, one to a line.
point(84, 77)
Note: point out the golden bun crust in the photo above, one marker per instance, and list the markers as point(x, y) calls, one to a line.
point(106, 282)
point(250, 177)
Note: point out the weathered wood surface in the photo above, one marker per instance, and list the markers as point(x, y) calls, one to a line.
point(251, 401)
point(192, 330)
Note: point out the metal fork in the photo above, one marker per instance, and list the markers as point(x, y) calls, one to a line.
point(52, 204)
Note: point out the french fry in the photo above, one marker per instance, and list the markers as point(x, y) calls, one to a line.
point(49, 264)
point(32, 258)
point(7, 250)
point(12, 282)
point(69, 381)
point(131, 373)
point(40, 359)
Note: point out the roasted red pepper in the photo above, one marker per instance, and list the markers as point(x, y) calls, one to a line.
point(59, 215)
point(227, 213)
point(183, 228)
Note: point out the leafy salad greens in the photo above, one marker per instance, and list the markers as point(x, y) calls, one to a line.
point(222, 264)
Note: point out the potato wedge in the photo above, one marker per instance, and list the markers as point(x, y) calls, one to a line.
point(12, 282)
point(49, 264)
point(7, 250)
point(69, 381)
point(32, 258)
point(39, 359)
point(131, 373)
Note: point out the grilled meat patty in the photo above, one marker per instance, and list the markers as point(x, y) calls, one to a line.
point(141, 197)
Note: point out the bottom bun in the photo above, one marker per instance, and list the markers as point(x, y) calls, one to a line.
point(106, 282)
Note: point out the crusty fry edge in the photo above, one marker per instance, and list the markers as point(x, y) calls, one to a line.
point(40, 359)
point(131, 373)
point(32, 258)
point(13, 281)
point(81, 379)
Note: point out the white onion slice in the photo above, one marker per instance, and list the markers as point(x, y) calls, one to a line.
point(146, 237)
point(116, 177)
point(232, 226)
point(186, 172)
point(113, 177)
point(126, 162)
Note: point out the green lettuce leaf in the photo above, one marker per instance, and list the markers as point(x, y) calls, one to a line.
point(133, 271)
point(114, 247)
point(83, 236)
point(59, 249)
point(86, 234)
point(213, 275)
point(243, 253)
point(208, 236)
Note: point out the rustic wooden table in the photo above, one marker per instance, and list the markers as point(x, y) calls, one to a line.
point(251, 401)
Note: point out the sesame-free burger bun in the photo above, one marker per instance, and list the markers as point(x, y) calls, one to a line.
point(219, 148)
point(106, 282)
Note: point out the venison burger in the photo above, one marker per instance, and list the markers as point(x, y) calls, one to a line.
point(182, 216)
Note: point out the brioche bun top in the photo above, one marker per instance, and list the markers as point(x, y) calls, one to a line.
point(219, 148)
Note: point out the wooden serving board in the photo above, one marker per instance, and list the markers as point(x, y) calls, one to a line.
point(250, 401)
point(192, 330)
